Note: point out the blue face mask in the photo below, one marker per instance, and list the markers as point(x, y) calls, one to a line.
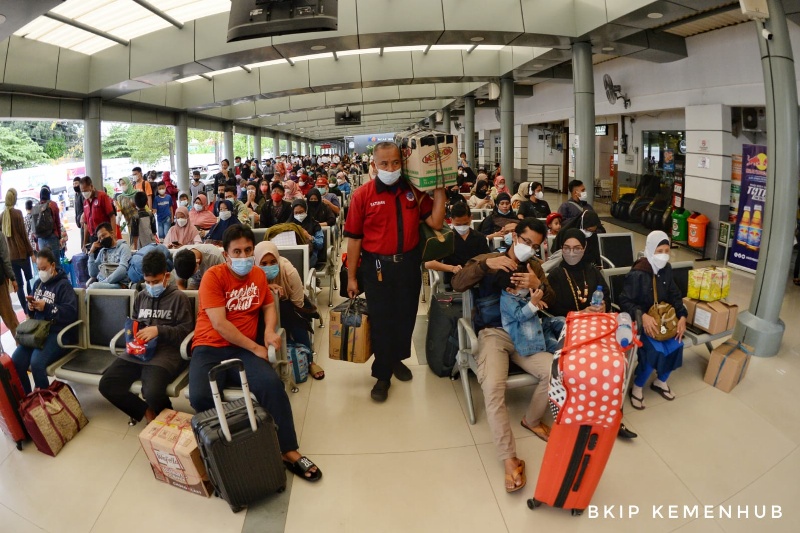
point(322, 190)
point(507, 239)
point(242, 266)
point(155, 290)
point(271, 271)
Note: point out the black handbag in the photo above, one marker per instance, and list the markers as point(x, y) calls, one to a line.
point(32, 333)
point(343, 273)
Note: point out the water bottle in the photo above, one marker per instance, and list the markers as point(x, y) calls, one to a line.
point(273, 358)
point(597, 297)
point(624, 330)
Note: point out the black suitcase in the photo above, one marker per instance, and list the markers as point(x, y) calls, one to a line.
point(240, 449)
point(441, 341)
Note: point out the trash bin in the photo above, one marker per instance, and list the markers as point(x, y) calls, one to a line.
point(680, 226)
point(697, 230)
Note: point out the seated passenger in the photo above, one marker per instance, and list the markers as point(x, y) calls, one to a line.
point(183, 201)
point(553, 222)
point(192, 261)
point(53, 299)
point(575, 279)
point(495, 346)
point(237, 207)
point(253, 202)
point(109, 259)
point(481, 199)
point(589, 224)
point(638, 296)
point(577, 203)
point(182, 233)
point(330, 199)
point(295, 316)
point(535, 205)
point(200, 217)
point(232, 296)
point(143, 225)
point(226, 220)
point(319, 210)
point(500, 187)
point(311, 230)
point(166, 314)
point(342, 184)
point(466, 245)
point(502, 220)
point(276, 210)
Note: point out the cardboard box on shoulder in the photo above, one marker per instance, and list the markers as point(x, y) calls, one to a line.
point(171, 447)
point(709, 284)
point(429, 158)
point(712, 317)
point(348, 343)
point(728, 365)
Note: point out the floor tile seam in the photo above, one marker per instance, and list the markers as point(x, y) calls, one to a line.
point(395, 452)
point(770, 469)
point(491, 489)
point(113, 490)
point(23, 517)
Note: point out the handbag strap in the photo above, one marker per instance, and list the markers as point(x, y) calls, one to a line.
point(655, 291)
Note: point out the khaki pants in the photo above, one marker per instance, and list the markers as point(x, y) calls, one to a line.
point(495, 350)
point(7, 309)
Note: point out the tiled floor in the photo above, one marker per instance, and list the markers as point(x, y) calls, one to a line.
point(415, 464)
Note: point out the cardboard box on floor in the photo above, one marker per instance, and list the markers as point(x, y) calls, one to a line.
point(359, 346)
point(711, 317)
point(422, 167)
point(171, 448)
point(728, 365)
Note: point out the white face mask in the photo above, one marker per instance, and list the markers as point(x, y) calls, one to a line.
point(301, 217)
point(523, 252)
point(462, 230)
point(522, 293)
point(45, 275)
point(198, 207)
point(539, 195)
point(587, 233)
point(183, 203)
point(660, 260)
point(224, 215)
point(583, 196)
point(87, 194)
point(389, 178)
point(182, 222)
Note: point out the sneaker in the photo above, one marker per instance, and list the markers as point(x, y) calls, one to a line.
point(625, 433)
point(380, 391)
point(402, 372)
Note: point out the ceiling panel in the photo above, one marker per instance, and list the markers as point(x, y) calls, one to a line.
point(466, 20)
point(284, 77)
point(412, 22)
point(371, 94)
point(390, 66)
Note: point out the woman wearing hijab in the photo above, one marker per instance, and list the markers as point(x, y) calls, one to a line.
point(182, 232)
point(125, 200)
point(226, 220)
point(589, 224)
point(200, 217)
point(638, 296)
point(535, 205)
point(292, 191)
point(305, 183)
point(481, 199)
point(311, 230)
point(502, 220)
point(19, 246)
point(284, 278)
point(575, 278)
point(172, 189)
point(500, 187)
point(318, 210)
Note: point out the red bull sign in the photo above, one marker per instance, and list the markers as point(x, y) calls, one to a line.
point(750, 216)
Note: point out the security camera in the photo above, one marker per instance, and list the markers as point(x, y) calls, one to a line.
point(766, 34)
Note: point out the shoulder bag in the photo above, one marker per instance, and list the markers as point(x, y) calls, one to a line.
point(665, 316)
point(33, 333)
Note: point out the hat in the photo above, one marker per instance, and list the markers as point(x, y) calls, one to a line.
point(322, 180)
point(553, 216)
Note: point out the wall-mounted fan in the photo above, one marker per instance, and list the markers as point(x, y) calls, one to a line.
point(497, 113)
point(615, 91)
point(457, 124)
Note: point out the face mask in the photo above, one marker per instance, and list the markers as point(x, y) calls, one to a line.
point(539, 195)
point(340, 181)
point(660, 260)
point(271, 271)
point(243, 265)
point(196, 180)
point(587, 233)
point(251, 192)
point(231, 200)
point(87, 194)
point(301, 183)
point(155, 290)
point(389, 178)
point(224, 215)
point(481, 193)
point(522, 293)
point(502, 212)
point(253, 168)
point(301, 217)
point(76, 189)
point(323, 190)
point(583, 196)
point(462, 230)
point(198, 207)
point(313, 205)
point(106, 243)
point(523, 252)
point(183, 203)
point(264, 189)
point(162, 192)
point(277, 198)
point(507, 239)
point(572, 258)
point(45, 276)
point(182, 222)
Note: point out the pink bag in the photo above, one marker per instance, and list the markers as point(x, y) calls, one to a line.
point(52, 417)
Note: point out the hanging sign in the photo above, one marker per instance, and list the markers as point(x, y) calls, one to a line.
point(749, 220)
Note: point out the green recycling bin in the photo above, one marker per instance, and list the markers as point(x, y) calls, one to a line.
point(680, 225)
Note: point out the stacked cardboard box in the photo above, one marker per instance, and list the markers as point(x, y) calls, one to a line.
point(711, 317)
point(728, 365)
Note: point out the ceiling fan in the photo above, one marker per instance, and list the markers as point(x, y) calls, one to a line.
point(615, 91)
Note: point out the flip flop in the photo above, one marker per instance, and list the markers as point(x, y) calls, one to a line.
point(637, 402)
point(316, 369)
point(540, 430)
point(518, 471)
point(665, 393)
point(300, 467)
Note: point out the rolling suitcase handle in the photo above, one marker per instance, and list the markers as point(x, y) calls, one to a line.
point(251, 412)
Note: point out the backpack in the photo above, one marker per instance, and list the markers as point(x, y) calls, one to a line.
point(135, 266)
point(43, 223)
point(298, 355)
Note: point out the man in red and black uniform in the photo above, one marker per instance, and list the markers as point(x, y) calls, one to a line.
point(383, 230)
point(97, 209)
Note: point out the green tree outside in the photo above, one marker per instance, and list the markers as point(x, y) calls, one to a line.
point(17, 150)
point(148, 144)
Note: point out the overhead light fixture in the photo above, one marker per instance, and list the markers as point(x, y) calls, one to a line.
point(655, 15)
point(2, 19)
point(477, 39)
point(607, 49)
point(538, 65)
point(318, 47)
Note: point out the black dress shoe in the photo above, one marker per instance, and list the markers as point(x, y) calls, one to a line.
point(380, 391)
point(626, 433)
point(402, 372)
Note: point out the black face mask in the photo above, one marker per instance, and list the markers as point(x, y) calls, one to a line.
point(76, 189)
point(481, 193)
point(313, 205)
point(106, 243)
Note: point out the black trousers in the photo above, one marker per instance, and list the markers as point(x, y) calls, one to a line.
point(120, 376)
point(393, 304)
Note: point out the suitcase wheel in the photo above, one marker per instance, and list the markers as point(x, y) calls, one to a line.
point(280, 490)
point(237, 508)
point(19, 445)
point(295, 389)
point(533, 503)
point(577, 512)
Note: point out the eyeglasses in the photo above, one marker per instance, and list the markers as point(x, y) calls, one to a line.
point(572, 249)
point(529, 242)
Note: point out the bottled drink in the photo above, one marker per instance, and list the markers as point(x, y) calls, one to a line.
point(744, 227)
point(754, 234)
point(271, 355)
point(597, 297)
point(624, 330)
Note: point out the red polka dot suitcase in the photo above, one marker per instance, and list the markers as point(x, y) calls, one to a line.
point(594, 372)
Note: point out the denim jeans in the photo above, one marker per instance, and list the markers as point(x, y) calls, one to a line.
point(20, 267)
point(163, 227)
point(262, 378)
point(51, 242)
point(37, 360)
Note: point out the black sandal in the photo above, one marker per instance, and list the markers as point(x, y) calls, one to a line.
point(303, 466)
point(638, 400)
point(665, 393)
